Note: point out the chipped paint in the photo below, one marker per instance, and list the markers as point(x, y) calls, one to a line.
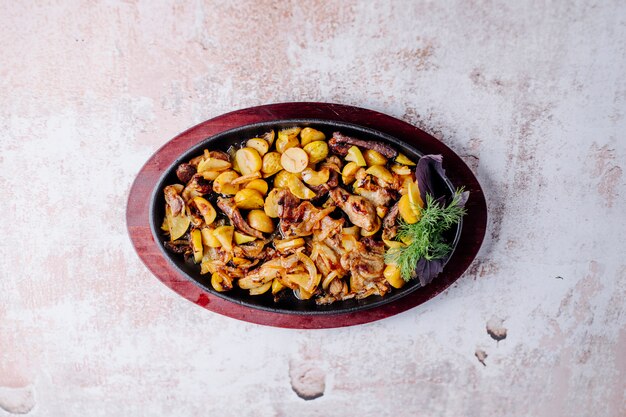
point(530, 94)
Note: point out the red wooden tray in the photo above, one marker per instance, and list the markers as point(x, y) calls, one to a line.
point(137, 211)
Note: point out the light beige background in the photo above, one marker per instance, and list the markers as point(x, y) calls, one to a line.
point(531, 94)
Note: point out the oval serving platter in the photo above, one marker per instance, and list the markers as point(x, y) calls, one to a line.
point(145, 212)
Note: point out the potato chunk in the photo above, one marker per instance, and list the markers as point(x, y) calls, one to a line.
point(248, 160)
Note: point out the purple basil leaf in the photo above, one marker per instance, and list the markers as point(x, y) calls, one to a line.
point(427, 270)
point(430, 176)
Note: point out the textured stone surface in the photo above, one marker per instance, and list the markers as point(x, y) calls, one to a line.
point(532, 94)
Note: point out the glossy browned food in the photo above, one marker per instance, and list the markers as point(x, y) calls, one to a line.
point(315, 228)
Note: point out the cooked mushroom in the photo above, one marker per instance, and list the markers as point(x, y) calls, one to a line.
point(299, 219)
point(175, 201)
point(196, 187)
point(185, 172)
point(228, 206)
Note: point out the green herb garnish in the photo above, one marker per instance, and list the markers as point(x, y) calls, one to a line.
point(425, 238)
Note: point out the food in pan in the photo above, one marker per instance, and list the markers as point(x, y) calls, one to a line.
point(329, 218)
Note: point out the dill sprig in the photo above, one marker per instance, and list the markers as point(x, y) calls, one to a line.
point(424, 239)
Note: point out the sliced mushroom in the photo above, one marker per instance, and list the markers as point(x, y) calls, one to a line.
point(175, 201)
point(185, 172)
point(227, 205)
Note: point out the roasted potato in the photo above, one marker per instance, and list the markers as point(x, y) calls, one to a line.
point(298, 189)
point(355, 155)
point(260, 221)
point(402, 159)
point(315, 178)
point(308, 135)
point(248, 160)
point(271, 203)
point(259, 185)
point(348, 173)
point(392, 275)
point(294, 160)
point(249, 199)
point(287, 138)
point(373, 157)
point(260, 145)
point(317, 151)
point(223, 184)
point(271, 164)
point(213, 164)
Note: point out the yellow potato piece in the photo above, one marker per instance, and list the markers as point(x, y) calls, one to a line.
point(317, 151)
point(209, 239)
point(380, 172)
point(177, 225)
point(405, 210)
point(314, 178)
point(405, 185)
point(381, 211)
point(401, 169)
point(294, 160)
point(220, 282)
point(287, 138)
point(348, 173)
point(248, 160)
point(373, 157)
point(248, 199)
point(210, 175)
point(260, 221)
point(262, 289)
point(298, 188)
point(236, 165)
point(259, 144)
point(308, 135)
point(402, 159)
point(271, 164)
point(392, 275)
point(268, 137)
point(225, 235)
point(213, 164)
point(206, 209)
point(277, 286)
point(282, 179)
point(271, 204)
point(240, 238)
point(196, 245)
point(355, 155)
point(415, 199)
point(393, 244)
point(247, 178)
point(223, 184)
point(259, 185)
